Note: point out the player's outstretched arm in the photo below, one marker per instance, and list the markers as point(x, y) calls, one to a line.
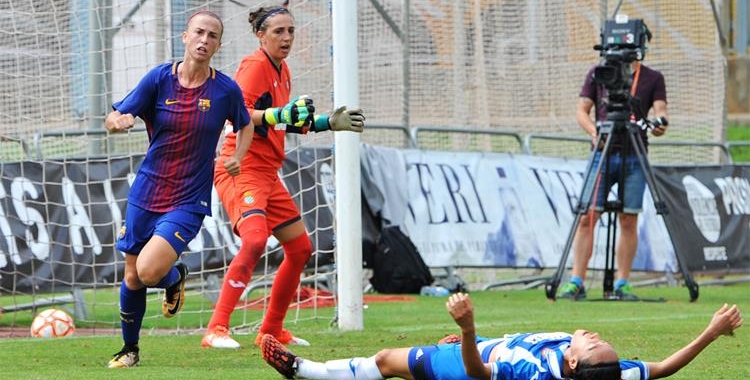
point(460, 308)
point(724, 322)
point(297, 114)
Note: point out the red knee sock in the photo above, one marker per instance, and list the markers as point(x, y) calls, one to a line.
point(253, 233)
point(296, 254)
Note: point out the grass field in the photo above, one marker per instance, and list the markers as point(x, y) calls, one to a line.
point(645, 330)
point(739, 133)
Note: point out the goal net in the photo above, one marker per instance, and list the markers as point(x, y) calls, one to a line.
point(487, 65)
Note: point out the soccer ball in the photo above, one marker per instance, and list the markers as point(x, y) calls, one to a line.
point(52, 323)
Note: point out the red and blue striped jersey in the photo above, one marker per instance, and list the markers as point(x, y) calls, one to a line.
point(184, 126)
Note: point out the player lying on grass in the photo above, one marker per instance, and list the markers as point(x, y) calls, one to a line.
point(581, 356)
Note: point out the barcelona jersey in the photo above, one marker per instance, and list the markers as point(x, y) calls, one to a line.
point(184, 126)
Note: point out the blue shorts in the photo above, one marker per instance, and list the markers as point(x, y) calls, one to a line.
point(634, 187)
point(441, 362)
point(178, 227)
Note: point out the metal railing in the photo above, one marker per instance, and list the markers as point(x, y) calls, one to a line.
point(474, 139)
point(660, 151)
point(392, 135)
point(85, 144)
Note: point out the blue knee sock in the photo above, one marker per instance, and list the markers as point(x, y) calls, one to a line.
point(132, 309)
point(170, 279)
point(620, 283)
point(577, 280)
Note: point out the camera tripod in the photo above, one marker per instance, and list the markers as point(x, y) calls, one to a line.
point(615, 124)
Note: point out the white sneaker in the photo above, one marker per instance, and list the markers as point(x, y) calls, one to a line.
point(218, 337)
point(299, 341)
point(285, 338)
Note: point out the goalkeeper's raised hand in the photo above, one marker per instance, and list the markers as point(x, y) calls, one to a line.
point(297, 113)
point(342, 119)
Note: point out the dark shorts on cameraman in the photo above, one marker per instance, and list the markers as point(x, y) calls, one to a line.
point(634, 183)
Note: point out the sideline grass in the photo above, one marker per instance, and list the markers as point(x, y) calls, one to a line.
point(648, 331)
point(739, 133)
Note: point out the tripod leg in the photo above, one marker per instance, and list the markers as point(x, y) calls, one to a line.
point(550, 288)
point(609, 269)
point(660, 206)
point(584, 203)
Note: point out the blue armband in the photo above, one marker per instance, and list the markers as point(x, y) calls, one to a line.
point(320, 123)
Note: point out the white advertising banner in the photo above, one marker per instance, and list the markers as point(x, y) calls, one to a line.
point(502, 210)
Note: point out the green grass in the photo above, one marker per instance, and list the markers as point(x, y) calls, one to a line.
point(740, 134)
point(648, 331)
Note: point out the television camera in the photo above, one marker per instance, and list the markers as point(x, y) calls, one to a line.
point(623, 41)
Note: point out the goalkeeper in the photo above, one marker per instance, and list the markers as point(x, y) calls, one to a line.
point(256, 201)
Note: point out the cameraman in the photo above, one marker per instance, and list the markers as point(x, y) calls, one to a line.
point(648, 91)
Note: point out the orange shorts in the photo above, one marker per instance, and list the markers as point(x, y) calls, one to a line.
point(251, 193)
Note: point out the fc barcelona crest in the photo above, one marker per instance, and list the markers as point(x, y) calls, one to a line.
point(204, 105)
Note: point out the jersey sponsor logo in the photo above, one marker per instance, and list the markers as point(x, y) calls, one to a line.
point(169, 102)
point(177, 235)
point(247, 197)
point(204, 105)
point(236, 284)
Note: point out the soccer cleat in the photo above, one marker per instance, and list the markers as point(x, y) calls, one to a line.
point(278, 357)
point(285, 337)
point(218, 337)
point(625, 293)
point(126, 358)
point(174, 296)
point(572, 291)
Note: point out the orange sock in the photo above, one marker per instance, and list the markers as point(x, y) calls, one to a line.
point(296, 254)
point(253, 235)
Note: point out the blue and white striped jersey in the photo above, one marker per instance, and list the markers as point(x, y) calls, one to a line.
point(539, 356)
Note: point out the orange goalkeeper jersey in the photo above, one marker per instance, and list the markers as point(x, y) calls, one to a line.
point(263, 86)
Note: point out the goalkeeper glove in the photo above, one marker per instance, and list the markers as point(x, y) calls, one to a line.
point(342, 119)
point(297, 113)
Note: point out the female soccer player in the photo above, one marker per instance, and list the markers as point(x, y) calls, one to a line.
point(256, 201)
point(185, 105)
point(542, 356)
